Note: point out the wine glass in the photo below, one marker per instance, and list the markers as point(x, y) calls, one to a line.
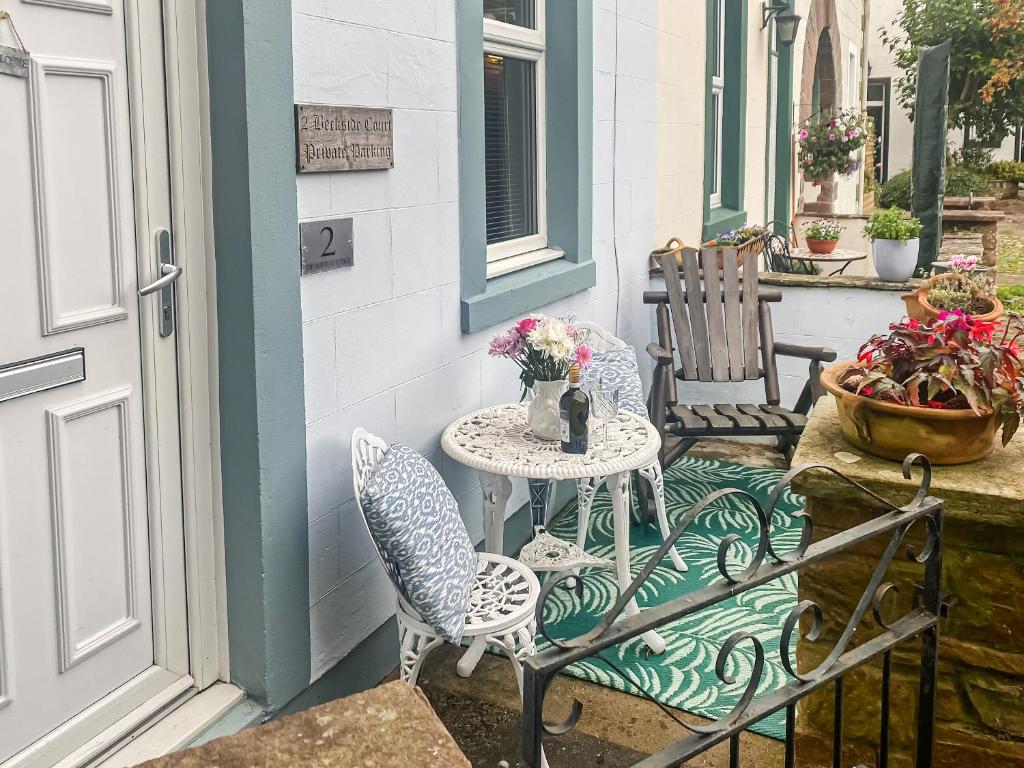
point(604, 404)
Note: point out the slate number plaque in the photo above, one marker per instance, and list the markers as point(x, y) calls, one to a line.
point(336, 138)
point(325, 245)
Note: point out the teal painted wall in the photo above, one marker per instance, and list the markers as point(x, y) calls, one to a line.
point(262, 418)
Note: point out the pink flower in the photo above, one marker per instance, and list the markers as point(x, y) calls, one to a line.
point(583, 356)
point(803, 133)
point(964, 263)
point(956, 320)
point(831, 137)
point(832, 123)
point(524, 326)
point(571, 329)
point(853, 133)
point(508, 344)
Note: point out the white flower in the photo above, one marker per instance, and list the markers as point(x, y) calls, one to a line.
point(551, 336)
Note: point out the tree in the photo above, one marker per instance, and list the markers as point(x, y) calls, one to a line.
point(986, 89)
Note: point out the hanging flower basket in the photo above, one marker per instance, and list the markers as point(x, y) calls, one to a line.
point(828, 142)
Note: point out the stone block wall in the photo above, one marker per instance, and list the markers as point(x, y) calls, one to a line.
point(980, 700)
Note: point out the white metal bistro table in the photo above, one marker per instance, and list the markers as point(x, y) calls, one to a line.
point(499, 444)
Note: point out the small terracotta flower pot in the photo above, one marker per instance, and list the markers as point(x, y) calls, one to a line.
point(891, 430)
point(824, 247)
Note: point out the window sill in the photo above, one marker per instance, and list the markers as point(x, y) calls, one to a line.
point(522, 261)
point(524, 290)
point(722, 220)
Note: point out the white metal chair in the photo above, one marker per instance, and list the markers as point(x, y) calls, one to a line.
point(502, 605)
point(600, 340)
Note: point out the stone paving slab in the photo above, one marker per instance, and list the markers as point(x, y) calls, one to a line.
point(391, 726)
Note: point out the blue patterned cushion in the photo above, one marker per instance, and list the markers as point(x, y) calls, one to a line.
point(617, 369)
point(415, 520)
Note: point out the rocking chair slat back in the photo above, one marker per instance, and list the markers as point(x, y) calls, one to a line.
point(733, 314)
point(684, 339)
point(695, 308)
point(713, 308)
point(751, 325)
point(714, 315)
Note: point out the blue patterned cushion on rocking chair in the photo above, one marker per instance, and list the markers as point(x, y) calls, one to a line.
point(415, 521)
point(617, 369)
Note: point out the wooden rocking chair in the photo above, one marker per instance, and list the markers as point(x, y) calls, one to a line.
point(723, 333)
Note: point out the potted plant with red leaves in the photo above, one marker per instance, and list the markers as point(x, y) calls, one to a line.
point(944, 390)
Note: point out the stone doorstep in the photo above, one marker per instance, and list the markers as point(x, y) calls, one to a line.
point(394, 722)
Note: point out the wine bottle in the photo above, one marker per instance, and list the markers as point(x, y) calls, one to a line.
point(574, 411)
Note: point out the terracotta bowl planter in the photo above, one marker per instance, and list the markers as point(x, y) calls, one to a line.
point(891, 431)
point(919, 309)
point(824, 247)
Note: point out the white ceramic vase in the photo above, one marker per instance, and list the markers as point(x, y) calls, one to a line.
point(895, 262)
point(542, 410)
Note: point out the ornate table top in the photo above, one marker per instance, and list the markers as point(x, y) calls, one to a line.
point(498, 440)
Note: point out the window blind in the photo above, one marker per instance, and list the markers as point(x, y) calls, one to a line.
point(510, 151)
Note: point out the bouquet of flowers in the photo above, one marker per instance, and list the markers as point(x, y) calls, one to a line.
point(828, 141)
point(543, 348)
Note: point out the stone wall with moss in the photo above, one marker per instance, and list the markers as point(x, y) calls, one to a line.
point(980, 714)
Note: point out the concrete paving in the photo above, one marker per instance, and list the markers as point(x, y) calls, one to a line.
point(615, 729)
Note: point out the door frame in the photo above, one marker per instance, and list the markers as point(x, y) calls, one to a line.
point(185, 73)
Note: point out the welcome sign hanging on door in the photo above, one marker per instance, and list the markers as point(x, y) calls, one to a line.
point(13, 61)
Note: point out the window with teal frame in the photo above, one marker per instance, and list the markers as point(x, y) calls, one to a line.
point(525, 155)
point(725, 116)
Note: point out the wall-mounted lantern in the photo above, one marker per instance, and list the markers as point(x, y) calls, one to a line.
point(786, 21)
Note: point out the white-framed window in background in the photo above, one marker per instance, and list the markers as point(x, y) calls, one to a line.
point(717, 97)
point(853, 79)
point(514, 136)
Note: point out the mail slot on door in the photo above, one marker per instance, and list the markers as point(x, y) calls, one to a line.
point(26, 377)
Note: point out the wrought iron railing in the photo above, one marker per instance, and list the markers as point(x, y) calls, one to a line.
point(920, 621)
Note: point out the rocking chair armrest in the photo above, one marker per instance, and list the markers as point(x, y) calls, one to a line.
point(661, 355)
point(821, 354)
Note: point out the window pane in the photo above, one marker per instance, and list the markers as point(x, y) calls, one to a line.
point(876, 92)
point(510, 149)
point(716, 121)
point(518, 12)
point(716, 38)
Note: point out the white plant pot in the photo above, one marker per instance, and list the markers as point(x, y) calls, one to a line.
point(895, 262)
point(542, 410)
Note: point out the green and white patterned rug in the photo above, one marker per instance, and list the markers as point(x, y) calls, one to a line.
point(684, 676)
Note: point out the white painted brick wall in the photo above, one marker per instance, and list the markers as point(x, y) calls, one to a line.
point(382, 342)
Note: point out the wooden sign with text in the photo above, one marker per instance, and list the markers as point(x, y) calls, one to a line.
point(333, 138)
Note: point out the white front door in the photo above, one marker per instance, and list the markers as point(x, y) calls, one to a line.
point(93, 637)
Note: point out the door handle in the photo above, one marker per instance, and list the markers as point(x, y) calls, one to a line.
point(164, 285)
point(170, 274)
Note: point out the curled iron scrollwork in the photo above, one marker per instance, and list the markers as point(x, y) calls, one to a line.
point(756, 571)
